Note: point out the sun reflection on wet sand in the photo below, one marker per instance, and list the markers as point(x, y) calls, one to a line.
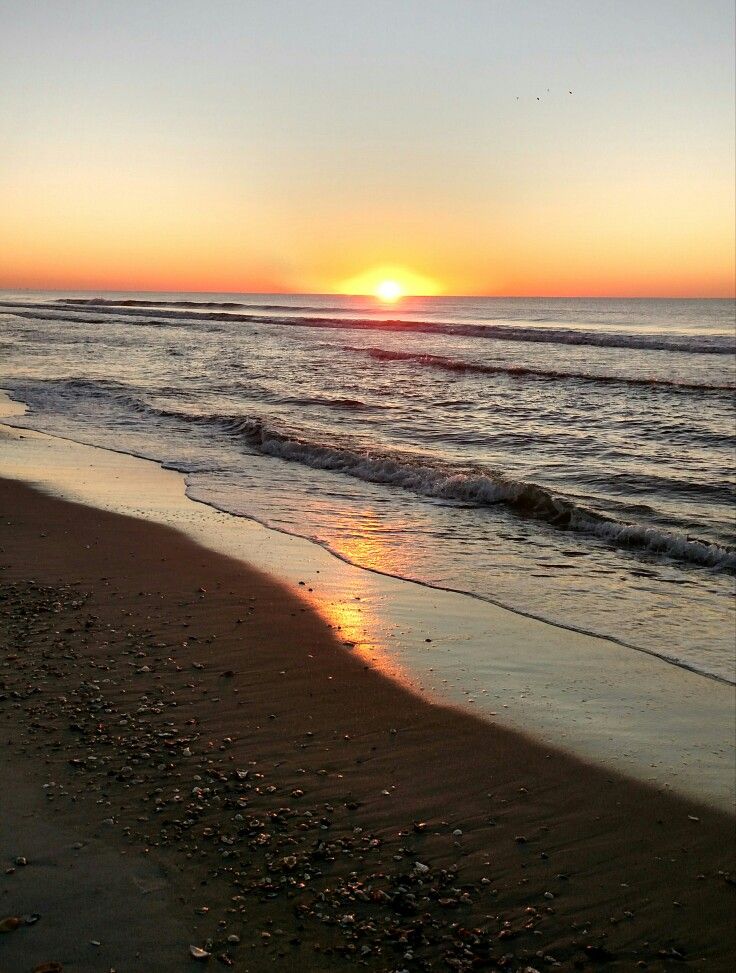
point(355, 617)
point(357, 625)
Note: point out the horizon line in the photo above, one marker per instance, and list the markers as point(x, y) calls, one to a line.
point(338, 294)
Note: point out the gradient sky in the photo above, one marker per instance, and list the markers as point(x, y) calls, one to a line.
point(274, 145)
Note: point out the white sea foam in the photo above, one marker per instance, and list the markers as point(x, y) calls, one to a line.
point(484, 488)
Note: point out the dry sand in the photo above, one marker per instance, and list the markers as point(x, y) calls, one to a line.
point(193, 755)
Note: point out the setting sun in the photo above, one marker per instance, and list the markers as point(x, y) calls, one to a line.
point(389, 290)
point(390, 283)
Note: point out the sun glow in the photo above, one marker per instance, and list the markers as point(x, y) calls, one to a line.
point(390, 284)
point(389, 291)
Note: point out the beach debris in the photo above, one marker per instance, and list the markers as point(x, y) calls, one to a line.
point(10, 924)
point(21, 860)
point(170, 781)
point(49, 968)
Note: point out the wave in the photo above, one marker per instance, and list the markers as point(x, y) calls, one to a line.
point(89, 319)
point(480, 487)
point(330, 402)
point(424, 476)
point(157, 303)
point(523, 371)
point(690, 344)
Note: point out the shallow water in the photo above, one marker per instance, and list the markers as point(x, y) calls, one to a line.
point(571, 459)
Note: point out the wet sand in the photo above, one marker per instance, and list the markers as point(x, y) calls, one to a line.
point(602, 702)
point(231, 769)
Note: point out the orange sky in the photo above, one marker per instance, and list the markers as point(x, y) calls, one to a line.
point(263, 153)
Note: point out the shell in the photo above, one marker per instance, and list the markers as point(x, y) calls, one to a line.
point(197, 953)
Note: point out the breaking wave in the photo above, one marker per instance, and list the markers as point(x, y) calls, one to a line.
point(428, 478)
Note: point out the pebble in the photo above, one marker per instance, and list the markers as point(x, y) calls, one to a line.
point(376, 897)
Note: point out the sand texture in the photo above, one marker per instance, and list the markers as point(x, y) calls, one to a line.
point(194, 758)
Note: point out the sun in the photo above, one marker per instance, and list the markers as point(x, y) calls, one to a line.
point(389, 283)
point(389, 291)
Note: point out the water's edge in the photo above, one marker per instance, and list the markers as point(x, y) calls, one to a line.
point(572, 691)
point(18, 423)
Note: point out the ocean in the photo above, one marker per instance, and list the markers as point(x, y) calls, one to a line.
point(569, 459)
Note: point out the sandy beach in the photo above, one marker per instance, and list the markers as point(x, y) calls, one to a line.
point(367, 537)
point(198, 747)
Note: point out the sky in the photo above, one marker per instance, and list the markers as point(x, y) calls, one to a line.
point(321, 146)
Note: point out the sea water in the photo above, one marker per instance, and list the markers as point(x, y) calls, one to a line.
point(571, 459)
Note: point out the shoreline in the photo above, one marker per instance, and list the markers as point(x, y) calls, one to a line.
point(705, 663)
point(484, 599)
point(323, 545)
point(272, 690)
point(625, 710)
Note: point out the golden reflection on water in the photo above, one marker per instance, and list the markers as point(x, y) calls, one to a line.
point(353, 615)
point(362, 541)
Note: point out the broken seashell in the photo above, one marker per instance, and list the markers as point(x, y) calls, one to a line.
point(10, 923)
point(197, 953)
